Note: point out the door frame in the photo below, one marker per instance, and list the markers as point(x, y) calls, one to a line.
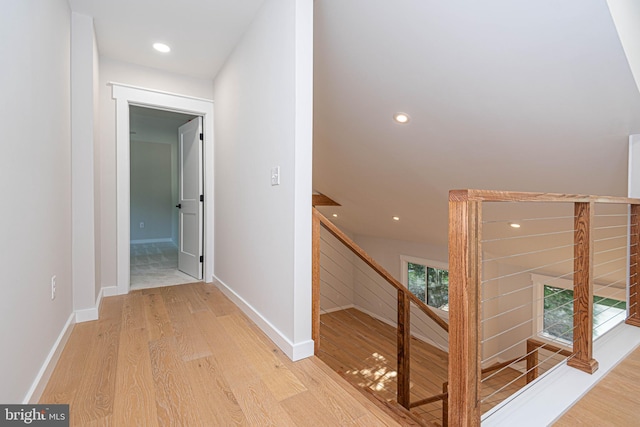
point(126, 95)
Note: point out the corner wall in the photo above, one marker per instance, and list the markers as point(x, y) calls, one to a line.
point(263, 101)
point(35, 169)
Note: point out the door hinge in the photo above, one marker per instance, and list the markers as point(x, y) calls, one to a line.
point(201, 137)
point(201, 258)
point(202, 197)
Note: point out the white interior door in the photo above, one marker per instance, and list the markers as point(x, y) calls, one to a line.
point(190, 192)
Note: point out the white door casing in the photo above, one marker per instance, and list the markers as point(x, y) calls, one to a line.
point(126, 95)
point(190, 205)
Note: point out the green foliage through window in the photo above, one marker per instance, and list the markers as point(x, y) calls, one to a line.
point(429, 284)
point(558, 313)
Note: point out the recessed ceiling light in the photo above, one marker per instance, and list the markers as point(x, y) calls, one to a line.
point(402, 118)
point(514, 225)
point(335, 215)
point(161, 47)
point(396, 218)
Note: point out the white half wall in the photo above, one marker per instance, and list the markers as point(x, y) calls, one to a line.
point(263, 97)
point(35, 169)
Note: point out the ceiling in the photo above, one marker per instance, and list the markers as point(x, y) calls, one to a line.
point(506, 95)
point(201, 33)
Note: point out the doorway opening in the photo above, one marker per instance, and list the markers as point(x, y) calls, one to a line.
point(127, 96)
point(156, 191)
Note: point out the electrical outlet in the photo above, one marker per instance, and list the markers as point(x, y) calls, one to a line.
point(142, 224)
point(53, 287)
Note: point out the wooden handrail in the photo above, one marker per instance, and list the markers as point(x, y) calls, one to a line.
point(518, 196)
point(360, 253)
point(465, 274)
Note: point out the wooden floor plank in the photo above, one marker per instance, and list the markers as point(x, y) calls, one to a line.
point(127, 369)
point(191, 343)
point(212, 392)
point(135, 398)
point(157, 318)
point(95, 396)
point(612, 401)
point(282, 383)
point(174, 398)
point(67, 375)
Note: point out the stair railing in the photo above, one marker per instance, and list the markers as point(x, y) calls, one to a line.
point(466, 278)
point(404, 299)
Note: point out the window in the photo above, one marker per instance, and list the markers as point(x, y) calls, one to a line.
point(555, 308)
point(427, 280)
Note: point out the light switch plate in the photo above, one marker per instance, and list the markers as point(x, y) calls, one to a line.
point(275, 175)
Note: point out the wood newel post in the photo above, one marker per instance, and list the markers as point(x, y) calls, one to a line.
point(315, 285)
point(634, 251)
point(583, 290)
point(465, 273)
point(532, 361)
point(404, 342)
point(445, 405)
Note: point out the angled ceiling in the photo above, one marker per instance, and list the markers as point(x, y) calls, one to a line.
point(503, 94)
point(201, 33)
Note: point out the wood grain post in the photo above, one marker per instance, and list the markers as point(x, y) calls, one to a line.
point(634, 286)
point(315, 285)
point(532, 361)
point(465, 273)
point(445, 404)
point(583, 290)
point(404, 342)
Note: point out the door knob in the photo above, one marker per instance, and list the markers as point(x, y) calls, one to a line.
point(179, 206)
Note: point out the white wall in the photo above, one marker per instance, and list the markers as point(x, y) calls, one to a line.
point(115, 71)
point(151, 198)
point(35, 169)
point(83, 114)
point(263, 119)
point(626, 14)
point(337, 269)
point(369, 292)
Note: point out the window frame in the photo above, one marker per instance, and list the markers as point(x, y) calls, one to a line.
point(404, 275)
point(539, 281)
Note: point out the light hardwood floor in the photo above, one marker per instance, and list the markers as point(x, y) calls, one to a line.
point(363, 350)
point(612, 402)
point(186, 356)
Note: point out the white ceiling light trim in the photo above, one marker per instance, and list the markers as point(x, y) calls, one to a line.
point(402, 118)
point(161, 47)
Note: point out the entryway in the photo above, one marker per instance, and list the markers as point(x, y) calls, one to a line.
point(128, 97)
point(165, 189)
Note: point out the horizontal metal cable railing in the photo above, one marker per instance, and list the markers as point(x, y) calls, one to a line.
point(534, 280)
point(371, 330)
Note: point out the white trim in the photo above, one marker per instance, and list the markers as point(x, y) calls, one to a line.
point(41, 380)
point(165, 240)
point(126, 95)
point(90, 314)
point(539, 280)
point(295, 351)
point(546, 400)
point(334, 309)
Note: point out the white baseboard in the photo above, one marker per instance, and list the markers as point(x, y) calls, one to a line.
point(38, 386)
point(164, 240)
point(295, 351)
point(393, 324)
point(90, 314)
point(331, 310)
